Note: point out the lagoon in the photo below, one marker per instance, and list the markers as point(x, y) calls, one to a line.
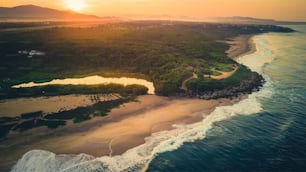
point(93, 80)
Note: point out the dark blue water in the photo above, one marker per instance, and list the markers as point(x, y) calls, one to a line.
point(272, 139)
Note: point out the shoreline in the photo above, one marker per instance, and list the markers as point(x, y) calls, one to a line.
point(124, 128)
point(240, 46)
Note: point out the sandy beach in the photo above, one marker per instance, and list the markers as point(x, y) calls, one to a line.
point(240, 46)
point(124, 128)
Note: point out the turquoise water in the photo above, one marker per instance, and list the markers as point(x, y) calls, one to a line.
point(272, 138)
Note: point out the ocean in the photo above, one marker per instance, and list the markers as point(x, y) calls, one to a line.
point(273, 137)
point(265, 132)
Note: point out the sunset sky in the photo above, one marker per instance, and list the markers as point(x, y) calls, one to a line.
point(274, 9)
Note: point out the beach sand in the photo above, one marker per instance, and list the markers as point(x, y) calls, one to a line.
point(240, 46)
point(125, 128)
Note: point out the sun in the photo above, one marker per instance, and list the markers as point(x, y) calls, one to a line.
point(76, 5)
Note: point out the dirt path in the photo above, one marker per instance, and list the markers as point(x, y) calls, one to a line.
point(184, 87)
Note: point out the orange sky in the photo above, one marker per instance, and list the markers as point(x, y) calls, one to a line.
point(274, 9)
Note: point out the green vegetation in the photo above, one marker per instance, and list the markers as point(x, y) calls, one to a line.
point(52, 90)
point(81, 118)
point(81, 114)
point(54, 124)
point(225, 69)
point(157, 51)
point(216, 73)
point(209, 84)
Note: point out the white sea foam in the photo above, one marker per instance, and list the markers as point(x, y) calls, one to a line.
point(137, 158)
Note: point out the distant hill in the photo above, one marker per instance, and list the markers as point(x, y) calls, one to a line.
point(32, 11)
point(250, 20)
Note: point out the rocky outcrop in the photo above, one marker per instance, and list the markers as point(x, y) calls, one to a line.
point(253, 83)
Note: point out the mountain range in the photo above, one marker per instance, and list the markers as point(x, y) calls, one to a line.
point(33, 11)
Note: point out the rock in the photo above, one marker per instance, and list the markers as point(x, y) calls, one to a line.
point(247, 86)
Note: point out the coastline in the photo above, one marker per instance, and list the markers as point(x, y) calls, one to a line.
point(240, 46)
point(125, 127)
